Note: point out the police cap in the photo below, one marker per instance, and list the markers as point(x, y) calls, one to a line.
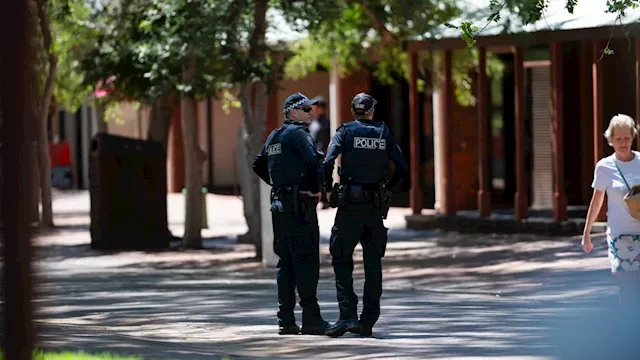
point(297, 100)
point(321, 100)
point(362, 103)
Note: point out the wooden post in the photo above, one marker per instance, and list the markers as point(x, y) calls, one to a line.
point(586, 121)
point(521, 197)
point(414, 136)
point(559, 196)
point(176, 169)
point(427, 132)
point(598, 111)
point(484, 174)
point(447, 206)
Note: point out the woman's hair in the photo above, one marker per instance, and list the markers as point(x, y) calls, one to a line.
point(621, 121)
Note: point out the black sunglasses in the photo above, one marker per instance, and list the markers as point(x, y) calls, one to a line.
point(305, 109)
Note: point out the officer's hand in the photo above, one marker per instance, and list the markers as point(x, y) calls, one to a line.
point(309, 193)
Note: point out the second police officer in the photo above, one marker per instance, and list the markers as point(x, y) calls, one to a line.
point(363, 200)
point(290, 163)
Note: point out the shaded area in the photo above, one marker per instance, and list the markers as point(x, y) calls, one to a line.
point(204, 313)
point(445, 295)
point(503, 220)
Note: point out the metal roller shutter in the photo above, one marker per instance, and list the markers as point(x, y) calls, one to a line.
point(542, 136)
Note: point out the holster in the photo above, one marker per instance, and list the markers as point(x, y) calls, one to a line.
point(385, 200)
point(284, 199)
point(344, 194)
point(288, 199)
point(339, 196)
point(307, 207)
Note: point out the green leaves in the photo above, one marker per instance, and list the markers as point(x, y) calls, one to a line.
point(354, 33)
point(619, 6)
point(530, 11)
point(469, 32)
point(571, 4)
point(147, 45)
point(72, 32)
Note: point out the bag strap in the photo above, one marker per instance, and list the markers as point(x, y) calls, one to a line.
point(619, 171)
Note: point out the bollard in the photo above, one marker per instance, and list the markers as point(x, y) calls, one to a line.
point(269, 257)
point(205, 221)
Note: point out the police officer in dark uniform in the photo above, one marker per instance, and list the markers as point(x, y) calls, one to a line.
point(363, 200)
point(290, 163)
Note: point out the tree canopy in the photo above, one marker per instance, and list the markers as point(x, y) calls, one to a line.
point(72, 35)
point(360, 33)
point(145, 44)
point(363, 33)
point(352, 34)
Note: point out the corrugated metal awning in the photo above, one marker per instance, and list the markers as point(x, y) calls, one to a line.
point(586, 14)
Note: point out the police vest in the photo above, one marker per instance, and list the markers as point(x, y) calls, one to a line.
point(286, 166)
point(364, 154)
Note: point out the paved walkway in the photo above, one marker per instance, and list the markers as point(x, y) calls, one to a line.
point(446, 295)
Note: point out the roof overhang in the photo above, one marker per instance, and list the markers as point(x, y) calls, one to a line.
point(521, 39)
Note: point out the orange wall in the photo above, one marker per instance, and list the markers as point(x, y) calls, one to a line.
point(314, 84)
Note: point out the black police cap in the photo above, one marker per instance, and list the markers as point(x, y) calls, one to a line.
point(297, 100)
point(321, 100)
point(362, 103)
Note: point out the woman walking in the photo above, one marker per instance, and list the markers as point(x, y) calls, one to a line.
point(614, 176)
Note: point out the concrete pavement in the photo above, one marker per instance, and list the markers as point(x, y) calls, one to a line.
point(446, 295)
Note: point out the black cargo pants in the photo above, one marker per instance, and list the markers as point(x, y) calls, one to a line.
point(358, 223)
point(296, 243)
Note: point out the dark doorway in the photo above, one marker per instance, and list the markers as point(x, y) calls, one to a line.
point(393, 109)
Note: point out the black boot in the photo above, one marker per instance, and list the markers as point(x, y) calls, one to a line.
point(341, 327)
point(289, 329)
point(362, 330)
point(318, 327)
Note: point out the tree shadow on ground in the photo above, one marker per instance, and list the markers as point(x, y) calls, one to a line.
point(192, 314)
point(51, 251)
point(445, 295)
point(454, 262)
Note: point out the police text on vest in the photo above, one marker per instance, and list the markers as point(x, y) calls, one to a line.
point(369, 143)
point(274, 149)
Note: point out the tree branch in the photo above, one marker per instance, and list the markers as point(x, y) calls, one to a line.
point(45, 28)
point(387, 37)
point(235, 10)
point(257, 46)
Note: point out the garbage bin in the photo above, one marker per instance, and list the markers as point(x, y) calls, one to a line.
point(128, 189)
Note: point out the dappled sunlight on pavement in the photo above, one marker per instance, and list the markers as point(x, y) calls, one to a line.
point(446, 296)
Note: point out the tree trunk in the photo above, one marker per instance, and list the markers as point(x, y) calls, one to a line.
point(159, 127)
point(194, 159)
point(44, 162)
point(253, 136)
point(254, 121)
point(160, 121)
